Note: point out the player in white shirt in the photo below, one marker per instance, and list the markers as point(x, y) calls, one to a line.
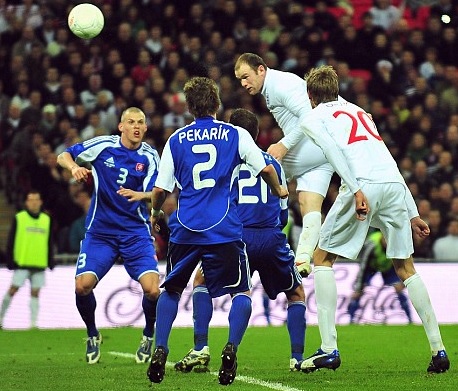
point(350, 140)
point(286, 98)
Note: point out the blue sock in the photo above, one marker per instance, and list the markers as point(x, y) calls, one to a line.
point(202, 314)
point(352, 308)
point(295, 321)
point(265, 304)
point(405, 305)
point(149, 309)
point(86, 307)
point(239, 316)
point(166, 312)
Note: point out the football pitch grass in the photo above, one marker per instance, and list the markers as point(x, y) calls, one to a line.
point(373, 358)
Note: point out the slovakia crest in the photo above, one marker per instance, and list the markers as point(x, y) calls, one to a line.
point(139, 167)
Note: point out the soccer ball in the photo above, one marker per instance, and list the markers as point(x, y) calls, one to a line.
point(85, 21)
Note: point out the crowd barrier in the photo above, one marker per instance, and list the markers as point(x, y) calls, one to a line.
point(119, 300)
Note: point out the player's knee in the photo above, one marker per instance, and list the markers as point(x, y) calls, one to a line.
point(83, 287)
point(152, 293)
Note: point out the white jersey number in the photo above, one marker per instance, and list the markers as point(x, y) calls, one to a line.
point(251, 182)
point(209, 149)
point(354, 134)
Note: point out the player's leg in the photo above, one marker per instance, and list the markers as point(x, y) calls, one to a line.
point(391, 278)
point(312, 187)
point(37, 281)
point(199, 357)
point(354, 304)
point(340, 234)
point(396, 228)
point(140, 262)
point(296, 324)
point(96, 257)
point(181, 262)
point(419, 297)
point(227, 271)
point(19, 277)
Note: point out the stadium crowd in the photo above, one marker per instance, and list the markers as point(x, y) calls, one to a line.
point(396, 59)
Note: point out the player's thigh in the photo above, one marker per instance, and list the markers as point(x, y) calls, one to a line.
point(19, 277)
point(226, 268)
point(316, 180)
point(97, 255)
point(182, 260)
point(271, 256)
point(392, 219)
point(304, 156)
point(37, 279)
point(139, 255)
point(341, 233)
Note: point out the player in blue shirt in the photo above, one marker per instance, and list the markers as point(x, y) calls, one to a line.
point(203, 160)
point(124, 170)
point(263, 218)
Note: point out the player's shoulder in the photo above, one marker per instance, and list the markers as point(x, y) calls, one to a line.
point(146, 148)
point(284, 81)
point(102, 140)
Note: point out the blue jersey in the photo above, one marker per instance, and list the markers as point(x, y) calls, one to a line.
point(113, 166)
point(203, 160)
point(258, 208)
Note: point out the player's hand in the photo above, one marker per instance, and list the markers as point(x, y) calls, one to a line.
point(130, 194)
point(361, 206)
point(155, 220)
point(278, 150)
point(80, 174)
point(419, 227)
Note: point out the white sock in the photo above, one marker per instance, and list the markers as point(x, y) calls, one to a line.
point(34, 310)
point(308, 239)
point(419, 297)
point(5, 304)
point(326, 302)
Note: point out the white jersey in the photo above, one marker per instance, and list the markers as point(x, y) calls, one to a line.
point(351, 143)
point(287, 99)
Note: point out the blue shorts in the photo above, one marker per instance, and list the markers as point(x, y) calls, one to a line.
point(99, 253)
point(269, 253)
point(224, 265)
point(389, 277)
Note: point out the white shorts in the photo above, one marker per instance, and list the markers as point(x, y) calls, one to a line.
point(344, 235)
point(36, 277)
point(307, 164)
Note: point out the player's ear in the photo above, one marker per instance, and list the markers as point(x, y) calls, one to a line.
point(120, 127)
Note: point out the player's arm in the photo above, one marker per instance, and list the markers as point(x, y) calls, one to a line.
point(65, 160)
point(158, 196)
point(133, 196)
point(269, 175)
point(316, 130)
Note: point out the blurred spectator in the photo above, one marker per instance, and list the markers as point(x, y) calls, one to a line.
point(178, 115)
point(446, 248)
point(443, 171)
point(386, 15)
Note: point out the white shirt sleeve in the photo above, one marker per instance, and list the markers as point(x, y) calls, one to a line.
point(316, 130)
point(166, 175)
point(250, 152)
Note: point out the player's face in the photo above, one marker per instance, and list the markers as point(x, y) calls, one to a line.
point(33, 203)
point(132, 128)
point(250, 79)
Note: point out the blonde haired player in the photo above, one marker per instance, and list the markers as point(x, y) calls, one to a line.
point(350, 140)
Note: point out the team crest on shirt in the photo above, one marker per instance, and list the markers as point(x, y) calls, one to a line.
point(139, 167)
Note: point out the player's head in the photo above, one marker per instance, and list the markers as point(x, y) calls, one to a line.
point(33, 201)
point(251, 69)
point(202, 97)
point(247, 120)
point(322, 85)
point(132, 127)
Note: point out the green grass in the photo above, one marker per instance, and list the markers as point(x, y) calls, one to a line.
point(373, 358)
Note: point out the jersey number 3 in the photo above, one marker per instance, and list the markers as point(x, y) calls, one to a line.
point(354, 134)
